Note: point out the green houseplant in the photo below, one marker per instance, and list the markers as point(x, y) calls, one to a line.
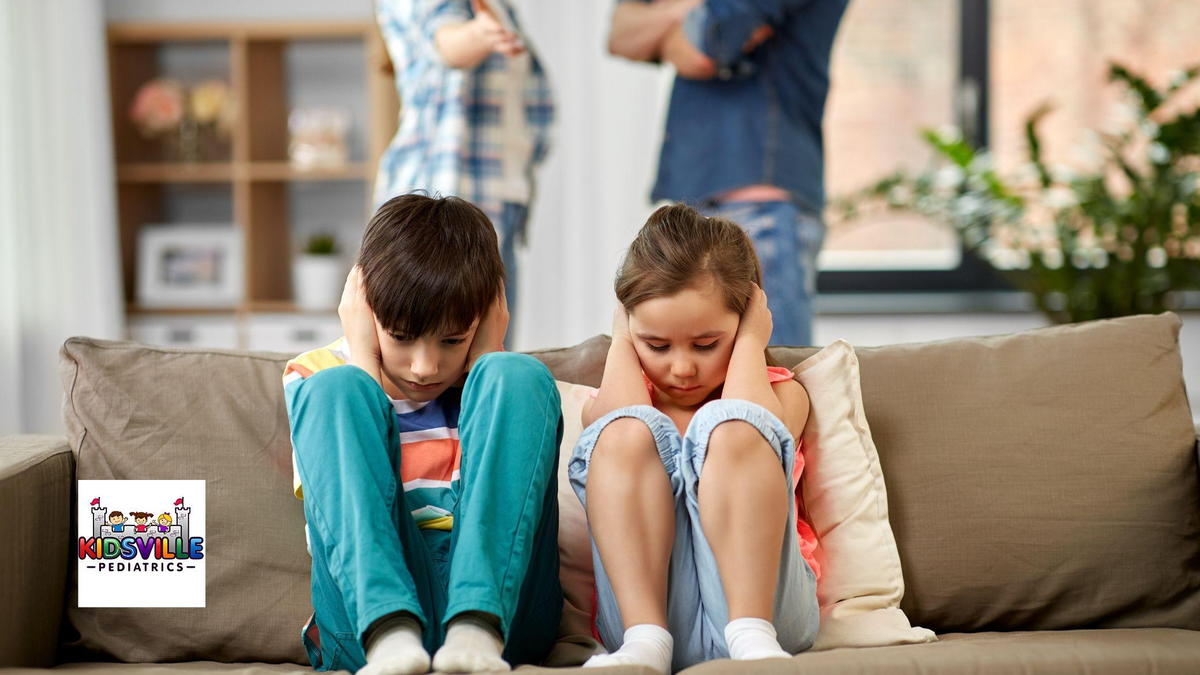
point(318, 274)
point(1115, 240)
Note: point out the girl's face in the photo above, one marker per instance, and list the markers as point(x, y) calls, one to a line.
point(684, 342)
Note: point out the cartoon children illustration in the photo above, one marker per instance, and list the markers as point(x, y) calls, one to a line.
point(164, 523)
point(141, 518)
point(116, 519)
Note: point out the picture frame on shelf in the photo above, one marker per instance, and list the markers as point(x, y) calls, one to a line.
point(189, 265)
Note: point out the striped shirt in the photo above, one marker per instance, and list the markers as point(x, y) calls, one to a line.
point(457, 133)
point(428, 436)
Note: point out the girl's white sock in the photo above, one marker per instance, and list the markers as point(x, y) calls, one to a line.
point(750, 638)
point(645, 645)
point(397, 650)
point(472, 645)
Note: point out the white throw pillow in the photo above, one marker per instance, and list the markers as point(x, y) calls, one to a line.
point(574, 543)
point(861, 581)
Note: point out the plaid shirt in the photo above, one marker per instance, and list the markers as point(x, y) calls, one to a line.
point(450, 135)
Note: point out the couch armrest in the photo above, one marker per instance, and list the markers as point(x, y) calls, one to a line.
point(37, 480)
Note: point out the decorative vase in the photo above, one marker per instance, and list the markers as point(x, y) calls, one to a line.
point(317, 281)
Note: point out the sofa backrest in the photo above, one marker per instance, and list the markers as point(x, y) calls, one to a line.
point(1041, 480)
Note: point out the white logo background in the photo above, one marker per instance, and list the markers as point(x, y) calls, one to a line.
point(114, 588)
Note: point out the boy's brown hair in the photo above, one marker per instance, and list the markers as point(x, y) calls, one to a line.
point(429, 264)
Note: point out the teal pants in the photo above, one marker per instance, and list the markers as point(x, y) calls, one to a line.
point(369, 559)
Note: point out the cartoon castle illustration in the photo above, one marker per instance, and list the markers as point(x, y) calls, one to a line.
point(179, 530)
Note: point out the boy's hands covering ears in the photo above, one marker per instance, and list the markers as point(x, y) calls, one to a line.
point(493, 325)
point(358, 325)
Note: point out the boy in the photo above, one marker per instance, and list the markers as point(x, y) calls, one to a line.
point(426, 458)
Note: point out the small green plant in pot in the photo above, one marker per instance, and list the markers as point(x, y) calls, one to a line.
point(1116, 240)
point(318, 274)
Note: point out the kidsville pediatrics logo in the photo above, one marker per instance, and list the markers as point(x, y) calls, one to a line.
point(141, 543)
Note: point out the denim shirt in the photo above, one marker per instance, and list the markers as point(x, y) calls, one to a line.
point(759, 120)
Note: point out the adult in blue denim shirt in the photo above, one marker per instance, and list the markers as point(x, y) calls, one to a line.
point(743, 137)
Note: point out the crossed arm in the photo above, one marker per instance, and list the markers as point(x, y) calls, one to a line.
point(649, 31)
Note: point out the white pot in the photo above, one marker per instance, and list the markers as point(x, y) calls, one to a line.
point(317, 281)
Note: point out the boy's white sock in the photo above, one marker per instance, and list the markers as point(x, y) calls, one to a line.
point(645, 645)
point(397, 650)
point(750, 638)
point(472, 645)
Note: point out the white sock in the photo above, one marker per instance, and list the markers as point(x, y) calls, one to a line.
point(397, 650)
point(750, 638)
point(645, 645)
point(472, 645)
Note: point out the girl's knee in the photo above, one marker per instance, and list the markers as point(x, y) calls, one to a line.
point(624, 440)
point(738, 436)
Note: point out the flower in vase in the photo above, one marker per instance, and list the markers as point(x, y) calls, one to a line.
point(157, 107)
point(210, 103)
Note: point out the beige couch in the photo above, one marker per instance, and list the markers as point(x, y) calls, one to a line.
point(1043, 489)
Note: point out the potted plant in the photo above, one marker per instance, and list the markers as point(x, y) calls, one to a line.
point(1117, 239)
point(318, 274)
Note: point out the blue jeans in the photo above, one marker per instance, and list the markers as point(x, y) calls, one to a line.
point(369, 559)
point(696, 608)
point(511, 231)
point(787, 240)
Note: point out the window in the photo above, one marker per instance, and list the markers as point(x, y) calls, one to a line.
point(983, 65)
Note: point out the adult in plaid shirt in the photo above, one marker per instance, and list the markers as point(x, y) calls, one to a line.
point(476, 110)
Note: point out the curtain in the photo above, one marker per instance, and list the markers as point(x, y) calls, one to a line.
point(593, 191)
point(59, 260)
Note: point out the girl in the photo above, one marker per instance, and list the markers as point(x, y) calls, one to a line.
point(687, 464)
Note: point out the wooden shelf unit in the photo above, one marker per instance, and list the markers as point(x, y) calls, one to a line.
point(253, 162)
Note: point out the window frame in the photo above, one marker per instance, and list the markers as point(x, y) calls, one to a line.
point(971, 114)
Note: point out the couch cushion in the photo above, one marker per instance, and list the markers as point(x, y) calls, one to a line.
point(1163, 651)
point(1041, 480)
point(136, 412)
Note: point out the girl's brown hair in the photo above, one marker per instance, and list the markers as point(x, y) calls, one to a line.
point(677, 248)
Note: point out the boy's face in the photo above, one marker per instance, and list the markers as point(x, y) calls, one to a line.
point(420, 369)
point(116, 520)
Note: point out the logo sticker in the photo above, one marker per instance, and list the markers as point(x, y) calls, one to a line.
point(141, 543)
